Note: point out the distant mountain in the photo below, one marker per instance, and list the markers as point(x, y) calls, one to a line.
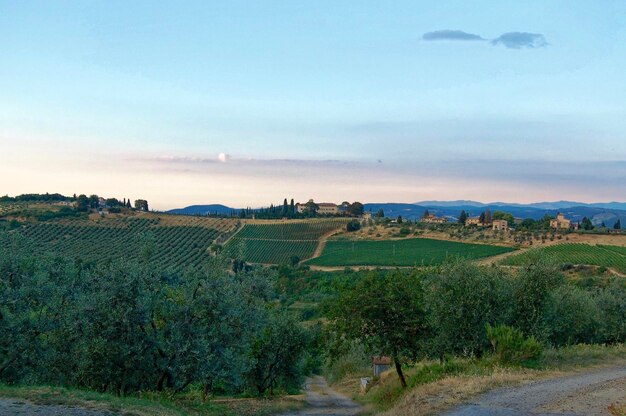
point(391, 209)
point(204, 210)
point(607, 212)
point(539, 205)
point(457, 203)
point(597, 214)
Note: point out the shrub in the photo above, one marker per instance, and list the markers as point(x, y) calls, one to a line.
point(571, 316)
point(510, 346)
point(353, 225)
point(459, 301)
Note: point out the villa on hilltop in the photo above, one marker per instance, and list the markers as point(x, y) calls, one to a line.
point(560, 222)
point(322, 207)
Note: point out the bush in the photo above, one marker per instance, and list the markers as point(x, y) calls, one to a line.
point(459, 301)
point(611, 302)
point(510, 346)
point(353, 225)
point(571, 316)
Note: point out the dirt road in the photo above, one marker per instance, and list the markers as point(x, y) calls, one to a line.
point(18, 407)
point(587, 394)
point(323, 400)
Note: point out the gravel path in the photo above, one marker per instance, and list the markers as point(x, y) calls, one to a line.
point(586, 394)
point(18, 407)
point(323, 400)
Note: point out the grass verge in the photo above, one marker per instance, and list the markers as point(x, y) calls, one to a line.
point(150, 404)
point(434, 387)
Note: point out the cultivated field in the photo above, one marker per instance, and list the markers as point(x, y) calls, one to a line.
point(574, 253)
point(170, 242)
point(408, 252)
point(277, 242)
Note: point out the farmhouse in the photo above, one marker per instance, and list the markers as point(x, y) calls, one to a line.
point(327, 208)
point(500, 225)
point(322, 207)
point(473, 221)
point(560, 222)
point(433, 219)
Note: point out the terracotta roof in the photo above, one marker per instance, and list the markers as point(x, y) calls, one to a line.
point(381, 360)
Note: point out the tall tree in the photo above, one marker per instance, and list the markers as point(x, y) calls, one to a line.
point(488, 219)
point(380, 213)
point(141, 204)
point(383, 311)
point(462, 217)
point(292, 207)
point(587, 224)
point(82, 203)
point(617, 225)
point(277, 354)
point(355, 209)
point(285, 208)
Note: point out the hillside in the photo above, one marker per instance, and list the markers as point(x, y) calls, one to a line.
point(167, 240)
point(279, 242)
point(212, 209)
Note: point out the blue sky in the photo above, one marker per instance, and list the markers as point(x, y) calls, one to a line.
point(373, 101)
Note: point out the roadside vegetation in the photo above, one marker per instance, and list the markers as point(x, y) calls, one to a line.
point(462, 320)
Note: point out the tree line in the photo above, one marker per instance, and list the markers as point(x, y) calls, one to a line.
point(461, 309)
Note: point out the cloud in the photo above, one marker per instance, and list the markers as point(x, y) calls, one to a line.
point(513, 40)
point(223, 157)
point(519, 40)
point(450, 35)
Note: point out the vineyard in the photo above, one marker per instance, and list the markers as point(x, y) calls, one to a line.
point(178, 243)
point(600, 255)
point(409, 252)
point(276, 243)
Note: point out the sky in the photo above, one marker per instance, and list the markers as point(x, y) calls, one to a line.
point(247, 102)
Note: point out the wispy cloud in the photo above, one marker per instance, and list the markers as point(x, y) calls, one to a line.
point(519, 40)
point(512, 40)
point(451, 35)
point(224, 160)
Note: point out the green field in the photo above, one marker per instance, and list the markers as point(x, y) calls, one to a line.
point(409, 252)
point(575, 253)
point(276, 243)
point(180, 244)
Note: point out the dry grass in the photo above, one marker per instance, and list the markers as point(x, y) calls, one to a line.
point(434, 397)
point(437, 389)
point(617, 409)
